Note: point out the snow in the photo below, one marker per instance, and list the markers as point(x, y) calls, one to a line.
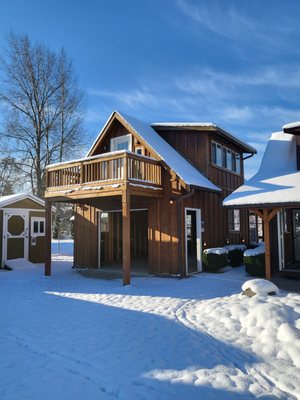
point(291, 125)
point(254, 252)
point(260, 286)
point(13, 198)
point(186, 171)
point(216, 250)
point(67, 336)
point(277, 181)
point(232, 247)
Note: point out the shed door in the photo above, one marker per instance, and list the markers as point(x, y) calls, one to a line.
point(193, 240)
point(15, 235)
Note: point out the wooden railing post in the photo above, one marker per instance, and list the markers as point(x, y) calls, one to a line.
point(48, 235)
point(81, 178)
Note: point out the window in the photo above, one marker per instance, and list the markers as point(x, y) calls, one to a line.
point(225, 158)
point(139, 150)
point(37, 226)
point(234, 220)
point(255, 228)
point(121, 143)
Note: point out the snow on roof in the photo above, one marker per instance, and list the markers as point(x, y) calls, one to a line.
point(277, 181)
point(186, 171)
point(245, 146)
point(13, 198)
point(291, 125)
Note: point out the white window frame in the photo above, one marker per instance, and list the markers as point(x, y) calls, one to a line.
point(198, 240)
point(121, 139)
point(139, 147)
point(235, 166)
point(39, 220)
point(235, 212)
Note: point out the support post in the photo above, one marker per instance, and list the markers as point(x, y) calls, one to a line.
point(267, 243)
point(126, 236)
point(48, 239)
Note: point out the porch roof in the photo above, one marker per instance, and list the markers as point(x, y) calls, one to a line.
point(277, 182)
point(185, 170)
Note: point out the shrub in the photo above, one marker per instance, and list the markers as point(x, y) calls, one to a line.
point(236, 254)
point(214, 259)
point(254, 261)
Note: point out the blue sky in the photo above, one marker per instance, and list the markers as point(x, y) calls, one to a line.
point(235, 63)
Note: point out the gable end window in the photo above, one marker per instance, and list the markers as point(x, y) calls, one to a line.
point(234, 220)
point(123, 142)
point(223, 157)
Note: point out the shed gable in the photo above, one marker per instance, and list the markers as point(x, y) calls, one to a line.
point(25, 203)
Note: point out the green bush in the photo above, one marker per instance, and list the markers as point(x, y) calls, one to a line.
point(255, 265)
point(213, 262)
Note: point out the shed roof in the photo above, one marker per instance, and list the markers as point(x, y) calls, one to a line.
point(277, 182)
point(13, 198)
point(184, 169)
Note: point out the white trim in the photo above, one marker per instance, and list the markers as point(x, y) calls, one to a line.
point(6, 200)
point(37, 219)
point(18, 209)
point(121, 139)
point(280, 233)
point(6, 215)
point(198, 239)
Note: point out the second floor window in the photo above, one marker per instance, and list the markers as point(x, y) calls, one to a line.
point(123, 142)
point(225, 158)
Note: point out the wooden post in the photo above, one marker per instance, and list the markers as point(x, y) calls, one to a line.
point(48, 239)
point(126, 236)
point(126, 225)
point(266, 222)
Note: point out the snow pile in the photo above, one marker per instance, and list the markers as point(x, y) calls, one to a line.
point(63, 337)
point(216, 250)
point(20, 263)
point(233, 247)
point(260, 286)
point(254, 252)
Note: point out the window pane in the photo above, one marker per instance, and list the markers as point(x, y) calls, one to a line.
point(233, 162)
point(224, 159)
point(35, 227)
point(229, 160)
point(238, 163)
point(236, 220)
point(214, 153)
point(219, 155)
point(123, 146)
point(42, 226)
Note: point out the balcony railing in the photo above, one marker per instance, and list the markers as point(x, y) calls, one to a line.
point(115, 167)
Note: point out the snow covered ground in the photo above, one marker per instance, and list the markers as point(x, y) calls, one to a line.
point(71, 337)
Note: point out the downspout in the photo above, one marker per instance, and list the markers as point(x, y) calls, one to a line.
point(179, 219)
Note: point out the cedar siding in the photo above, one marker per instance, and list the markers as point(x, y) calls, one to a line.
point(158, 233)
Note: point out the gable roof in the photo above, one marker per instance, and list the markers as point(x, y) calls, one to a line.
point(13, 198)
point(277, 182)
point(184, 169)
point(205, 126)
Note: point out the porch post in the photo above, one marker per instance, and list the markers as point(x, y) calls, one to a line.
point(267, 243)
point(126, 236)
point(48, 239)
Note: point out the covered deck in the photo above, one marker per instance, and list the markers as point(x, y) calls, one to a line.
point(119, 180)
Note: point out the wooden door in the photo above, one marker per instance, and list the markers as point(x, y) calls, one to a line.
point(15, 235)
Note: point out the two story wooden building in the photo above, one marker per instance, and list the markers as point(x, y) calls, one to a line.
point(151, 194)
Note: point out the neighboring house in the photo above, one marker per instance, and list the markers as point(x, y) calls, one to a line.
point(22, 225)
point(273, 194)
point(172, 176)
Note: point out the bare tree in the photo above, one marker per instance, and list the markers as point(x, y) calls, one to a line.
point(42, 107)
point(9, 176)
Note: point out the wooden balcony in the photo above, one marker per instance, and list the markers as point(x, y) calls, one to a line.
point(105, 172)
